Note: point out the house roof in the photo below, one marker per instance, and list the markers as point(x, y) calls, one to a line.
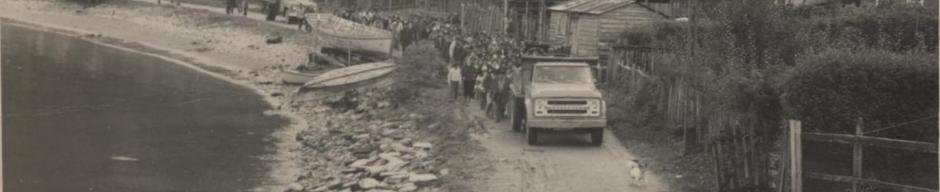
point(591, 6)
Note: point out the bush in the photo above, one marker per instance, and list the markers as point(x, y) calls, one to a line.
point(830, 90)
point(897, 27)
point(419, 69)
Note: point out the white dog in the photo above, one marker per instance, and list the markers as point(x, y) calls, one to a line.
point(636, 169)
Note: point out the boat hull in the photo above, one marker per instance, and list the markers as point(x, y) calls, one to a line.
point(295, 77)
point(340, 33)
point(353, 75)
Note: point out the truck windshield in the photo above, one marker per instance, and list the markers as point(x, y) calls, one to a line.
point(562, 74)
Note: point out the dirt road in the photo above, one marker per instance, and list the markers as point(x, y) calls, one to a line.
point(562, 162)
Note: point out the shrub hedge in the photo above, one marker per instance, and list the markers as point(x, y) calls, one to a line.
point(830, 90)
point(420, 68)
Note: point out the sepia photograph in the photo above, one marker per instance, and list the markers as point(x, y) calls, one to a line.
point(469, 95)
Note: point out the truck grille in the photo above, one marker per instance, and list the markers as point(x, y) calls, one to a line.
point(567, 111)
point(567, 107)
point(567, 102)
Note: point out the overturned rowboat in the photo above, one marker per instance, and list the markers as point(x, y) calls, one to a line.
point(297, 77)
point(340, 33)
point(350, 76)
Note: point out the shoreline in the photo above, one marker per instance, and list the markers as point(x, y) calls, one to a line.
point(282, 171)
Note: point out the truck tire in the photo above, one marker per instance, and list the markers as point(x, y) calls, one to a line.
point(597, 136)
point(517, 114)
point(532, 134)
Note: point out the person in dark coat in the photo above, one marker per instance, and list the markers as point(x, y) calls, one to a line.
point(503, 94)
point(469, 78)
point(406, 36)
point(229, 6)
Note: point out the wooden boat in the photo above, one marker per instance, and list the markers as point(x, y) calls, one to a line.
point(337, 32)
point(296, 77)
point(352, 75)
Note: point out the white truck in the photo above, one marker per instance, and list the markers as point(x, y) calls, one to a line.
point(557, 94)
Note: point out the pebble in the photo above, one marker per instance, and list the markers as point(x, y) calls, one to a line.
point(408, 187)
point(414, 177)
point(295, 187)
point(369, 183)
point(423, 145)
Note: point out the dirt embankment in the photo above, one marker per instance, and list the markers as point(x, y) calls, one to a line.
point(344, 141)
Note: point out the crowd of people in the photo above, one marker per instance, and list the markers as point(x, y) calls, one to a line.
point(480, 64)
point(484, 64)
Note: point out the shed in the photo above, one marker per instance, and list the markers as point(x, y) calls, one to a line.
point(588, 26)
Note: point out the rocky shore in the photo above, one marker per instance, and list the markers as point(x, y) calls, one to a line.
point(353, 140)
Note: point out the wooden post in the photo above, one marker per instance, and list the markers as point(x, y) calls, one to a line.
point(784, 167)
point(796, 157)
point(857, 157)
point(542, 30)
point(505, 16)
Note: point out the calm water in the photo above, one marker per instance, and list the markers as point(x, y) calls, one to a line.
point(83, 117)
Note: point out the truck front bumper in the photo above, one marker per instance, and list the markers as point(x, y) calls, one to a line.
point(555, 123)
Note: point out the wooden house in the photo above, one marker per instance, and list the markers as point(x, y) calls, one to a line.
point(589, 27)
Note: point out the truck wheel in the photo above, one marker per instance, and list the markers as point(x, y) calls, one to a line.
point(597, 136)
point(516, 115)
point(532, 134)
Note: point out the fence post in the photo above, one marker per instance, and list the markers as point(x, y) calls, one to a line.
point(796, 157)
point(857, 157)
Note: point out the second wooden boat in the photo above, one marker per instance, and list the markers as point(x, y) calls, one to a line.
point(351, 75)
point(297, 77)
point(333, 31)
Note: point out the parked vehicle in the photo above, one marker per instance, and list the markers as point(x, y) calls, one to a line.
point(557, 94)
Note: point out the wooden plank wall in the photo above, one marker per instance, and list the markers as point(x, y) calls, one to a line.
point(632, 17)
point(596, 33)
point(672, 9)
point(558, 28)
point(588, 36)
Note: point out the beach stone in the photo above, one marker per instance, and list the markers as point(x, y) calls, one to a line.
point(294, 187)
point(361, 163)
point(422, 145)
point(408, 187)
point(375, 169)
point(434, 126)
point(369, 183)
point(273, 39)
point(389, 155)
point(414, 177)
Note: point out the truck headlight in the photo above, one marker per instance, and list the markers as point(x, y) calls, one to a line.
point(540, 107)
point(594, 107)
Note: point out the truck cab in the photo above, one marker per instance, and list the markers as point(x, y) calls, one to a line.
point(557, 94)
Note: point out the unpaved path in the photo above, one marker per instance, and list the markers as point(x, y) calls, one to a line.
point(563, 162)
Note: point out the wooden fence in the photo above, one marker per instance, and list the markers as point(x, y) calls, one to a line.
point(858, 141)
point(741, 160)
point(486, 18)
point(627, 67)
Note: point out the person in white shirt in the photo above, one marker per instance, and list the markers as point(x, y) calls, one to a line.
point(453, 78)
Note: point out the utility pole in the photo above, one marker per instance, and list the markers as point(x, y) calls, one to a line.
point(505, 16)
